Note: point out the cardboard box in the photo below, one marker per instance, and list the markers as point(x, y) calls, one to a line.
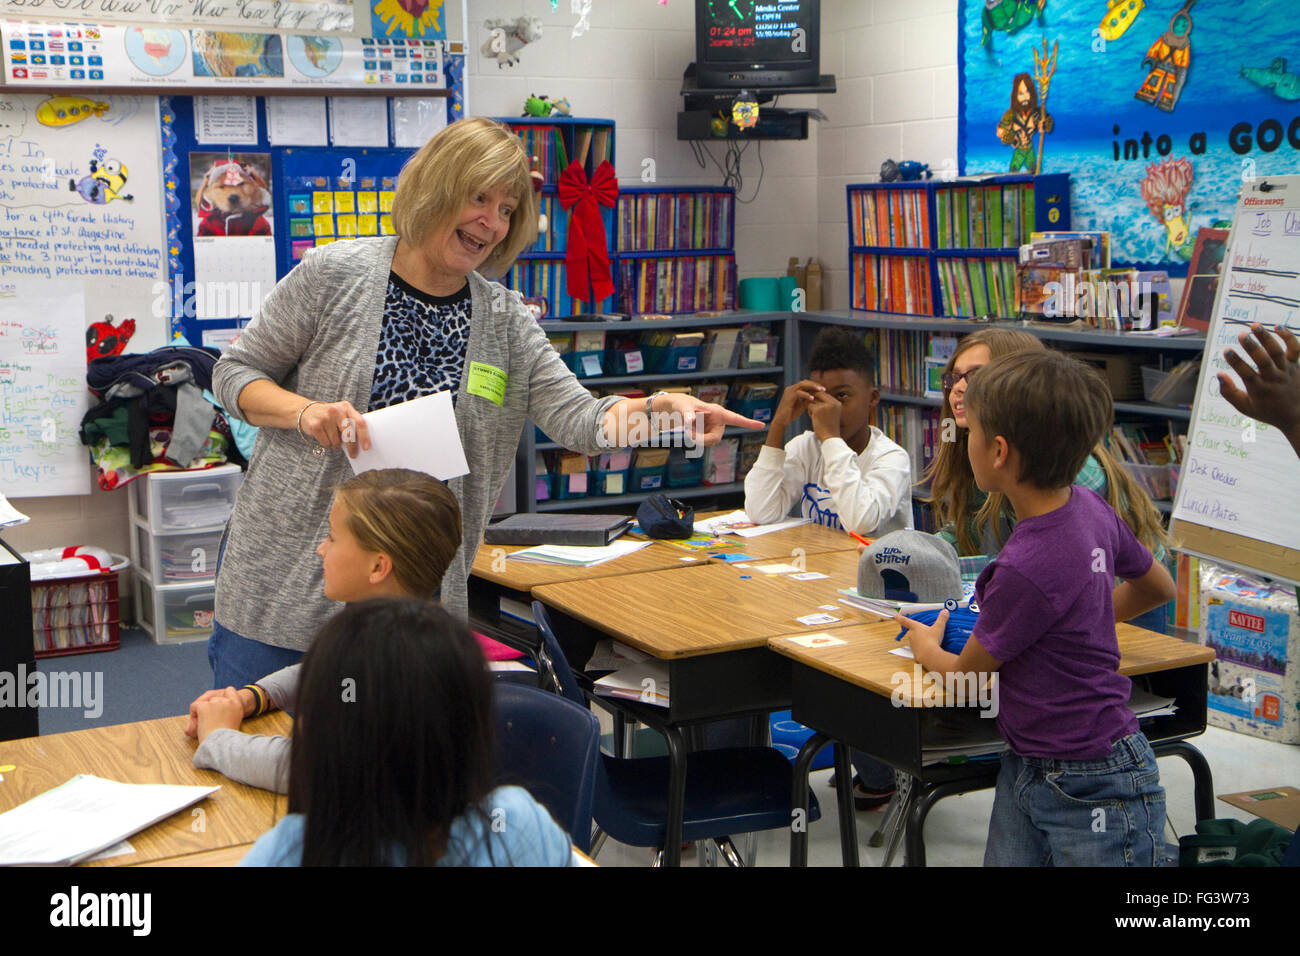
point(1255, 631)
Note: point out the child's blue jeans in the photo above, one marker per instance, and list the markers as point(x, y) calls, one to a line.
point(1106, 812)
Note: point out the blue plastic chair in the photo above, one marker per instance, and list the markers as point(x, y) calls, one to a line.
point(549, 746)
point(659, 801)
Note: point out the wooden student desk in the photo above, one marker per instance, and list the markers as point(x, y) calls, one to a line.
point(152, 751)
point(843, 692)
point(710, 624)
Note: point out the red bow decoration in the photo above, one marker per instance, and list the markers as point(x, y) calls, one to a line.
point(588, 252)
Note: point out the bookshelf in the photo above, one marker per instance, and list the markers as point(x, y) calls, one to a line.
point(675, 250)
point(904, 408)
point(947, 248)
point(601, 348)
point(539, 273)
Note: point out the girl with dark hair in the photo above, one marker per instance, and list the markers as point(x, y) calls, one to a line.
point(392, 753)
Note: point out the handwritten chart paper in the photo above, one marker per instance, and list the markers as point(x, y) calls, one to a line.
point(42, 389)
point(1241, 478)
point(81, 202)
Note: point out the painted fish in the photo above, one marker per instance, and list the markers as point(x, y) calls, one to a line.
point(1120, 15)
point(65, 110)
point(1274, 77)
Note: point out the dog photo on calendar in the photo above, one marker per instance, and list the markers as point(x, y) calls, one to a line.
point(231, 194)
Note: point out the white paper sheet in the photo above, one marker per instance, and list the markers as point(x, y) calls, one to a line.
point(358, 121)
point(84, 816)
point(296, 121)
point(419, 434)
point(9, 515)
point(732, 522)
point(416, 119)
point(577, 556)
point(225, 119)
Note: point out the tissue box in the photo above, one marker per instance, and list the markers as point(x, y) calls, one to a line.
point(1254, 629)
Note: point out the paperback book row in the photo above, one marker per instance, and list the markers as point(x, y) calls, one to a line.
point(676, 285)
point(910, 363)
point(66, 616)
point(553, 146)
point(978, 287)
point(649, 221)
point(916, 429)
point(1151, 452)
point(542, 283)
point(889, 217)
point(992, 216)
point(598, 353)
point(1067, 276)
point(892, 284)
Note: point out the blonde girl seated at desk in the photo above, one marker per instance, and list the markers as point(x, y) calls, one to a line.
point(392, 533)
point(978, 524)
point(394, 736)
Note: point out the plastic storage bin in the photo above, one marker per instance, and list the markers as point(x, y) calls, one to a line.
point(1151, 379)
point(683, 471)
point(1156, 480)
point(178, 556)
point(186, 500)
point(175, 613)
point(759, 409)
point(683, 358)
point(648, 479)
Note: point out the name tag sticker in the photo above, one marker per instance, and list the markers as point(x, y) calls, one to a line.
point(812, 620)
point(487, 381)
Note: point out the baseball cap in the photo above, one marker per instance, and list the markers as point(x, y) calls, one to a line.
point(910, 566)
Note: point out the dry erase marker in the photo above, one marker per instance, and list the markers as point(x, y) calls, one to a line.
point(861, 539)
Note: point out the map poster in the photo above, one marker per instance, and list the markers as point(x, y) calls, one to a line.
point(307, 16)
point(70, 54)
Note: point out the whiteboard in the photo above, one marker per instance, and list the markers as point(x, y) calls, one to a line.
point(76, 245)
point(1239, 488)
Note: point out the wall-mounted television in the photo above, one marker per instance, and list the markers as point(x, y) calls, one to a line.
point(757, 44)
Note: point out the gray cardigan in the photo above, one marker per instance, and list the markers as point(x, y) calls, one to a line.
point(317, 334)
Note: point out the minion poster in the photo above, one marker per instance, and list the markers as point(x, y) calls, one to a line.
point(1158, 109)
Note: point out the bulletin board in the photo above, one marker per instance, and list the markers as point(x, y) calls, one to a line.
point(299, 180)
point(1239, 484)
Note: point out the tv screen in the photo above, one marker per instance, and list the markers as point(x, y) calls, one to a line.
point(757, 44)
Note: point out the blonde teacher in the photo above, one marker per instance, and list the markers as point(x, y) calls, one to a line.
point(367, 323)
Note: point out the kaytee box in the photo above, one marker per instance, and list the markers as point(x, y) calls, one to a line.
point(1254, 629)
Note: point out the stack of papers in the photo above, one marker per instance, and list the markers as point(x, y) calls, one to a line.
point(737, 522)
point(9, 515)
point(84, 816)
point(646, 682)
point(880, 607)
point(577, 557)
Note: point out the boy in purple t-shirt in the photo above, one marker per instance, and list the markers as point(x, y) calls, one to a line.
point(1079, 784)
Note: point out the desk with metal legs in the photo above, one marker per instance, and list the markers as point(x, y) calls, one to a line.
point(844, 693)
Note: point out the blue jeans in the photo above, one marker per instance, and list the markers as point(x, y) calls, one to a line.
point(1107, 812)
point(237, 661)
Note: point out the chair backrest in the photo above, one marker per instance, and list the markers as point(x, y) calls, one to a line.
point(550, 747)
point(552, 665)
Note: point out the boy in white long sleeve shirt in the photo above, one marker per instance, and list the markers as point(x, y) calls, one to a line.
point(845, 473)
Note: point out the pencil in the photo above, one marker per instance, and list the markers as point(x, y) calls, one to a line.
point(861, 539)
